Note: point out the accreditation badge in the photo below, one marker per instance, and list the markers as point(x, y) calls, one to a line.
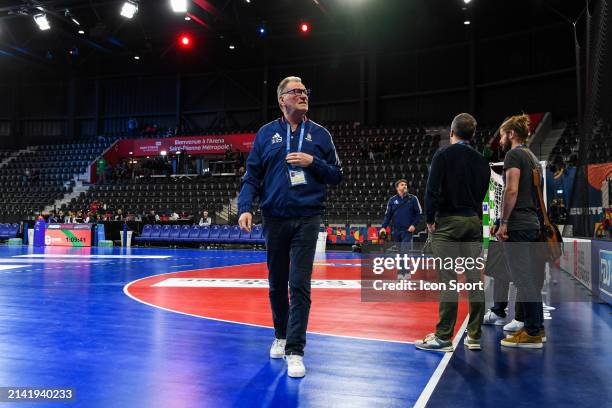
point(297, 177)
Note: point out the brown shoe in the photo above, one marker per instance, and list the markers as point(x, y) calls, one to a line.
point(523, 340)
point(542, 334)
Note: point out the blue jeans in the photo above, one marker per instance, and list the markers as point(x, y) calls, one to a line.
point(291, 245)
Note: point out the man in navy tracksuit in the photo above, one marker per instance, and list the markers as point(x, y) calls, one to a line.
point(292, 161)
point(404, 214)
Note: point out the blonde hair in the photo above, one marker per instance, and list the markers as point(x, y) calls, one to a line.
point(519, 124)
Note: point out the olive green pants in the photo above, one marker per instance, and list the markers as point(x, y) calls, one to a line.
point(458, 237)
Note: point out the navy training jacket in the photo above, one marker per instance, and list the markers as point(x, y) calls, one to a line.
point(267, 173)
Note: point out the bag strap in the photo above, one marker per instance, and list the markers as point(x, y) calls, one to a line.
point(535, 172)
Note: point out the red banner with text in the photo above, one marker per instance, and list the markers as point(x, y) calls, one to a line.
point(242, 142)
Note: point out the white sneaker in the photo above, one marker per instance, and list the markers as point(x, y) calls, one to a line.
point(514, 326)
point(278, 348)
point(470, 343)
point(295, 366)
point(493, 318)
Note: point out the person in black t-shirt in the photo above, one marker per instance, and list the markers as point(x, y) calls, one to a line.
point(519, 229)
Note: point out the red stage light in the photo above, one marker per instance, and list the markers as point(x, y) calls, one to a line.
point(185, 41)
point(305, 27)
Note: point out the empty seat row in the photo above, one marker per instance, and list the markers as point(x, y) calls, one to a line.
point(9, 231)
point(215, 234)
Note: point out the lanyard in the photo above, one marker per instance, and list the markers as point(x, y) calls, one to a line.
point(299, 149)
point(519, 146)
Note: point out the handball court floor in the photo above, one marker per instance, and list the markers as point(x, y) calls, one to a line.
point(148, 327)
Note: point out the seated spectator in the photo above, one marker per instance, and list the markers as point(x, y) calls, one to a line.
point(53, 218)
point(26, 175)
point(79, 219)
point(229, 154)
point(174, 216)
point(119, 215)
point(68, 218)
point(152, 218)
point(205, 220)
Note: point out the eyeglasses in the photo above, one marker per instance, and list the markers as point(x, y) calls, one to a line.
point(298, 91)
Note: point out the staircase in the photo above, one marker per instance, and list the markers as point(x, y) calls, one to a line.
point(78, 189)
point(549, 143)
point(13, 156)
point(224, 214)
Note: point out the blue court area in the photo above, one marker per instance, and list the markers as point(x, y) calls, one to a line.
point(66, 322)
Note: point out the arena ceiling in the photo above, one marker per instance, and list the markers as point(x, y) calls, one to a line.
point(109, 42)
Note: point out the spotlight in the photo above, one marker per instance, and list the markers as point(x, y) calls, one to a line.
point(81, 32)
point(68, 14)
point(179, 6)
point(262, 30)
point(42, 22)
point(232, 47)
point(185, 41)
point(467, 1)
point(129, 9)
point(466, 22)
point(136, 57)
point(163, 153)
point(305, 27)
point(187, 18)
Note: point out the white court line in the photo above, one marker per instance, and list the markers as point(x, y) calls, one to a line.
point(127, 293)
point(435, 377)
point(250, 283)
point(61, 256)
point(48, 261)
point(7, 267)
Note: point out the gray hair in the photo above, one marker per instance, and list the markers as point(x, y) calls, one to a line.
point(464, 126)
point(284, 82)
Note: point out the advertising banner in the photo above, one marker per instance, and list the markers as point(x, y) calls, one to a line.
point(242, 142)
point(576, 260)
point(72, 235)
point(602, 269)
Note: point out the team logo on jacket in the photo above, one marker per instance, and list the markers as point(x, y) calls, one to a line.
point(309, 137)
point(396, 202)
point(277, 138)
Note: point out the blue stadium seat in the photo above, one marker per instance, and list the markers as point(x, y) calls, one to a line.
point(203, 235)
point(234, 235)
point(164, 234)
point(215, 230)
point(147, 230)
point(244, 236)
point(223, 234)
point(184, 235)
point(175, 231)
point(13, 230)
point(257, 235)
point(4, 231)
